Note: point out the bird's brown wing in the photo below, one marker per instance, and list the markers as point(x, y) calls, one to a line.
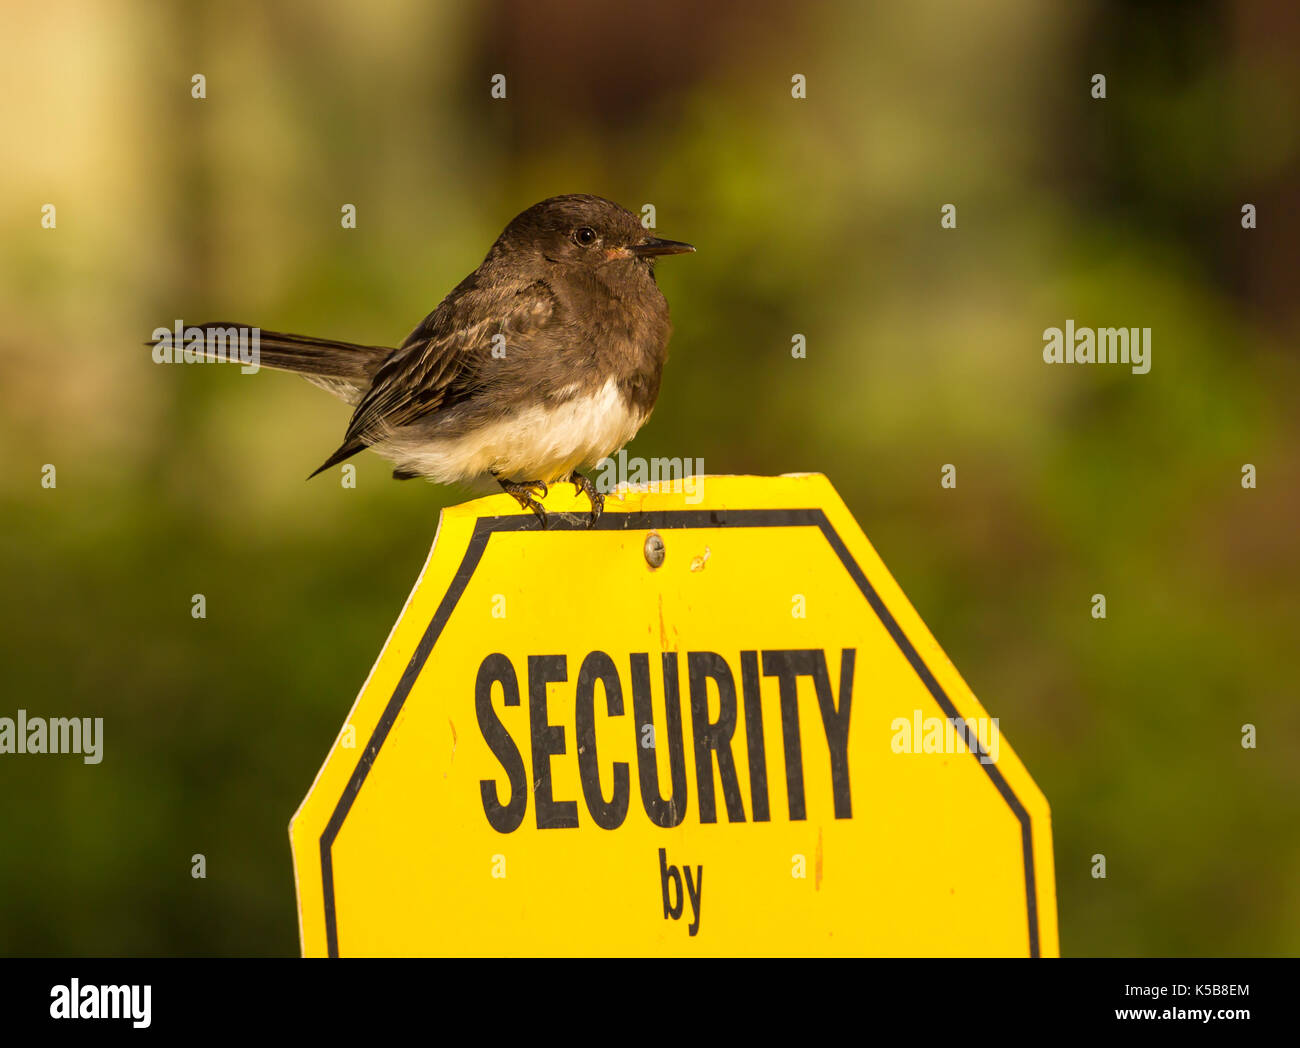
point(443, 360)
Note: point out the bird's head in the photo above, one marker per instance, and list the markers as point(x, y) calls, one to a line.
point(587, 232)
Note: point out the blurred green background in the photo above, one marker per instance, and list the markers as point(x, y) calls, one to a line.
point(818, 216)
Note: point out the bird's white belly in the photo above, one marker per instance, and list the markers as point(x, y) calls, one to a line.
point(541, 442)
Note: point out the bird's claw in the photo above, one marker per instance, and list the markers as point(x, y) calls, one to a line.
point(523, 494)
point(583, 486)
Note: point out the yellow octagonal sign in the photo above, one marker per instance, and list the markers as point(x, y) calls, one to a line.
point(755, 747)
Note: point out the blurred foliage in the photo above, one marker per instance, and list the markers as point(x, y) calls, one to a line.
point(818, 216)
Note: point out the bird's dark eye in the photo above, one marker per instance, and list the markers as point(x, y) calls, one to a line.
point(584, 236)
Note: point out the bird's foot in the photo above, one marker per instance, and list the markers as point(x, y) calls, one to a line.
point(582, 485)
point(523, 494)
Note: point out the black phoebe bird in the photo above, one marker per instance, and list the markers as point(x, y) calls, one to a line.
point(544, 359)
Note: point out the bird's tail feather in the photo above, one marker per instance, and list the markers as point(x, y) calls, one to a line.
point(341, 365)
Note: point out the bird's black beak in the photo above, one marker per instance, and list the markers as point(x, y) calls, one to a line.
point(653, 246)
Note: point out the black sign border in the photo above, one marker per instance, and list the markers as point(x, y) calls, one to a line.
point(668, 520)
